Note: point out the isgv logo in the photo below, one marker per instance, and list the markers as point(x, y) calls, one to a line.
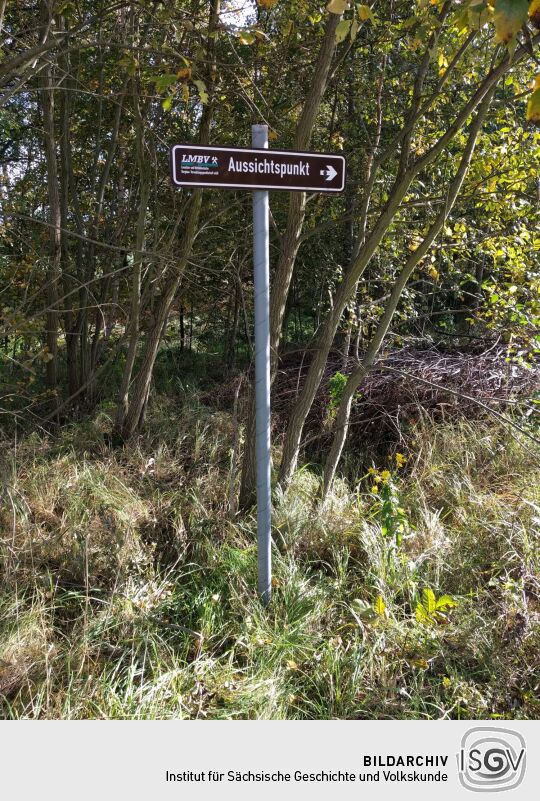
point(491, 759)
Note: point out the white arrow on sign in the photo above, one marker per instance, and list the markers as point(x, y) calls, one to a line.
point(330, 173)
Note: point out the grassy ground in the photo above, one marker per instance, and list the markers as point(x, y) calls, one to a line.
point(127, 587)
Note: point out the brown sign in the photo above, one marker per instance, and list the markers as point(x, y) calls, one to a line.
point(241, 168)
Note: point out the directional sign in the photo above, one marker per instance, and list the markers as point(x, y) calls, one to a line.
point(242, 168)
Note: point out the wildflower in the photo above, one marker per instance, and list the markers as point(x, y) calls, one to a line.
point(400, 460)
point(375, 489)
point(385, 475)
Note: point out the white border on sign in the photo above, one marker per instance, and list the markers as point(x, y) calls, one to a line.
point(254, 188)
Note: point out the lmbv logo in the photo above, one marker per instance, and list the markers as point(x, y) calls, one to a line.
point(491, 759)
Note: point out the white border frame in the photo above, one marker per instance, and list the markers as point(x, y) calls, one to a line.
point(255, 187)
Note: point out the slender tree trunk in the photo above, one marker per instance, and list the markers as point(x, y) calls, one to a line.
point(182, 330)
point(69, 317)
point(231, 339)
point(3, 4)
point(130, 419)
point(341, 424)
point(405, 177)
point(55, 222)
point(136, 279)
point(141, 385)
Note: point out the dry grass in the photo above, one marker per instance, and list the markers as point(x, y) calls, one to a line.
point(128, 589)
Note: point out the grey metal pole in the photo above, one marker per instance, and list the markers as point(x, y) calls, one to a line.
point(261, 268)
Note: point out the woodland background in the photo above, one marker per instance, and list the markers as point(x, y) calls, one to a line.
point(405, 327)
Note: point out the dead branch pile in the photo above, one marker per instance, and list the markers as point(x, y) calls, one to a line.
point(409, 381)
point(402, 385)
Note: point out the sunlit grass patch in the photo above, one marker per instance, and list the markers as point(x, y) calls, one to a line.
point(129, 586)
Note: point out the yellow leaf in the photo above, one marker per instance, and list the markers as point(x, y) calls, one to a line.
point(533, 108)
point(364, 12)
point(433, 272)
point(291, 664)
point(185, 93)
point(428, 600)
point(380, 606)
point(184, 74)
point(267, 3)
point(201, 88)
point(273, 135)
point(534, 13)
point(337, 6)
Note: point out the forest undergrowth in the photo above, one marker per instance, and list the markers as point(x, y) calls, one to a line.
point(128, 582)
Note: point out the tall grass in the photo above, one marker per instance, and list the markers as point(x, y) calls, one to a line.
point(128, 586)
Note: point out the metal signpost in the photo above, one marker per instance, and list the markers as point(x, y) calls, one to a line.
point(260, 170)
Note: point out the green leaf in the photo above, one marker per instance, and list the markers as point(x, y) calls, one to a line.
point(163, 82)
point(201, 88)
point(445, 602)
point(429, 601)
point(66, 8)
point(510, 16)
point(343, 29)
point(421, 614)
point(365, 13)
point(478, 14)
point(246, 37)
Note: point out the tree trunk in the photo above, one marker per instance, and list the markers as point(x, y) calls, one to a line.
point(130, 419)
point(182, 330)
point(55, 222)
point(135, 299)
point(341, 424)
point(141, 386)
point(405, 177)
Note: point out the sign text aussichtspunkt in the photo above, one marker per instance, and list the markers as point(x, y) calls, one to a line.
point(242, 168)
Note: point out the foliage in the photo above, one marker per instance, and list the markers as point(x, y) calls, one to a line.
point(127, 306)
point(336, 385)
point(394, 521)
